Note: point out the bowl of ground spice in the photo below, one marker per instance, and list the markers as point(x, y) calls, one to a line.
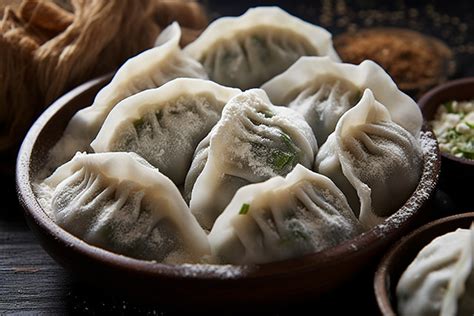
point(415, 61)
point(449, 111)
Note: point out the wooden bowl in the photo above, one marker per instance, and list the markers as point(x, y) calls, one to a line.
point(282, 281)
point(395, 262)
point(457, 174)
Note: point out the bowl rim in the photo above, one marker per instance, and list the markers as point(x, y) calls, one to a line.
point(424, 100)
point(279, 269)
point(381, 281)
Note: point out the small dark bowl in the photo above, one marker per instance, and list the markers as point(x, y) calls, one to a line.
point(457, 174)
point(395, 262)
point(283, 281)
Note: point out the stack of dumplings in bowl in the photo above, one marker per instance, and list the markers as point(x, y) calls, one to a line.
point(254, 144)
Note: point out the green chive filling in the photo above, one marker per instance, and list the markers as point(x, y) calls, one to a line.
point(244, 209)
point(281, 159)
point(287, 140)
point(267, 113)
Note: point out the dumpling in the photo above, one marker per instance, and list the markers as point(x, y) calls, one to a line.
point(440, 281)
point(373, 160)
point(248, 50)
point(252, 142)
point(323, 90)
point(150, 69)
point(165, 125)
point(283, 218)
point(119, 202)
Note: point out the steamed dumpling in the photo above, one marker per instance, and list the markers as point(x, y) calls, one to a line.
point(323, 90)
point(150, 69)
point(440, 281)
point(165, 125)
point(283, 218)
point(252, 142)
point(119, 202)
point(373, 160)
point(248, 50)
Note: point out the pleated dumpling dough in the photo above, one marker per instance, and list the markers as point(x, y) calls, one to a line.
point(119, 202)
point(440, 281)
point(248, 50)
point(283, 218)
point(373, 160)
point(150, 69)
point(252, 142)
point(165, 125)
point(323, 90)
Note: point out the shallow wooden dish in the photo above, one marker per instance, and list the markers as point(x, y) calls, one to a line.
point(282, 281)
point(400, 256)
point(457, 174)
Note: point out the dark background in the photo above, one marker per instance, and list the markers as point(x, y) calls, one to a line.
point(30, 281)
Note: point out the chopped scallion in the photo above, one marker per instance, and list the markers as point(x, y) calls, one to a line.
point(449, 106)
point(281, 159)
point(244, 209)
point(288, 142)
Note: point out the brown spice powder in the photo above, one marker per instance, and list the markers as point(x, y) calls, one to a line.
point(415, 62)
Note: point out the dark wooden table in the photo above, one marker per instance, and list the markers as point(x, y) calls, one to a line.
point(31, 282)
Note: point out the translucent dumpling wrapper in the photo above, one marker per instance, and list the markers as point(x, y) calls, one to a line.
point(373, 160)
point(322, 90)
point(248, 50)
point(283, 218)
point(252, 142)
point(165, 125)
point(150, 69)
point(119, 202)
point(440, 281)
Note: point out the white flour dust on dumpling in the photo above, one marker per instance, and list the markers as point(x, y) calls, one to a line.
point(440, 280)
point(323, 90)
point(165, 125)
point(252, 142)
point(121, 203)
point(283, 218)
point(149, 69)
point(373, 160)
point(248, 50)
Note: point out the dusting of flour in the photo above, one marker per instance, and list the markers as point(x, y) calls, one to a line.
point(424, 190)
point(421, 195)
